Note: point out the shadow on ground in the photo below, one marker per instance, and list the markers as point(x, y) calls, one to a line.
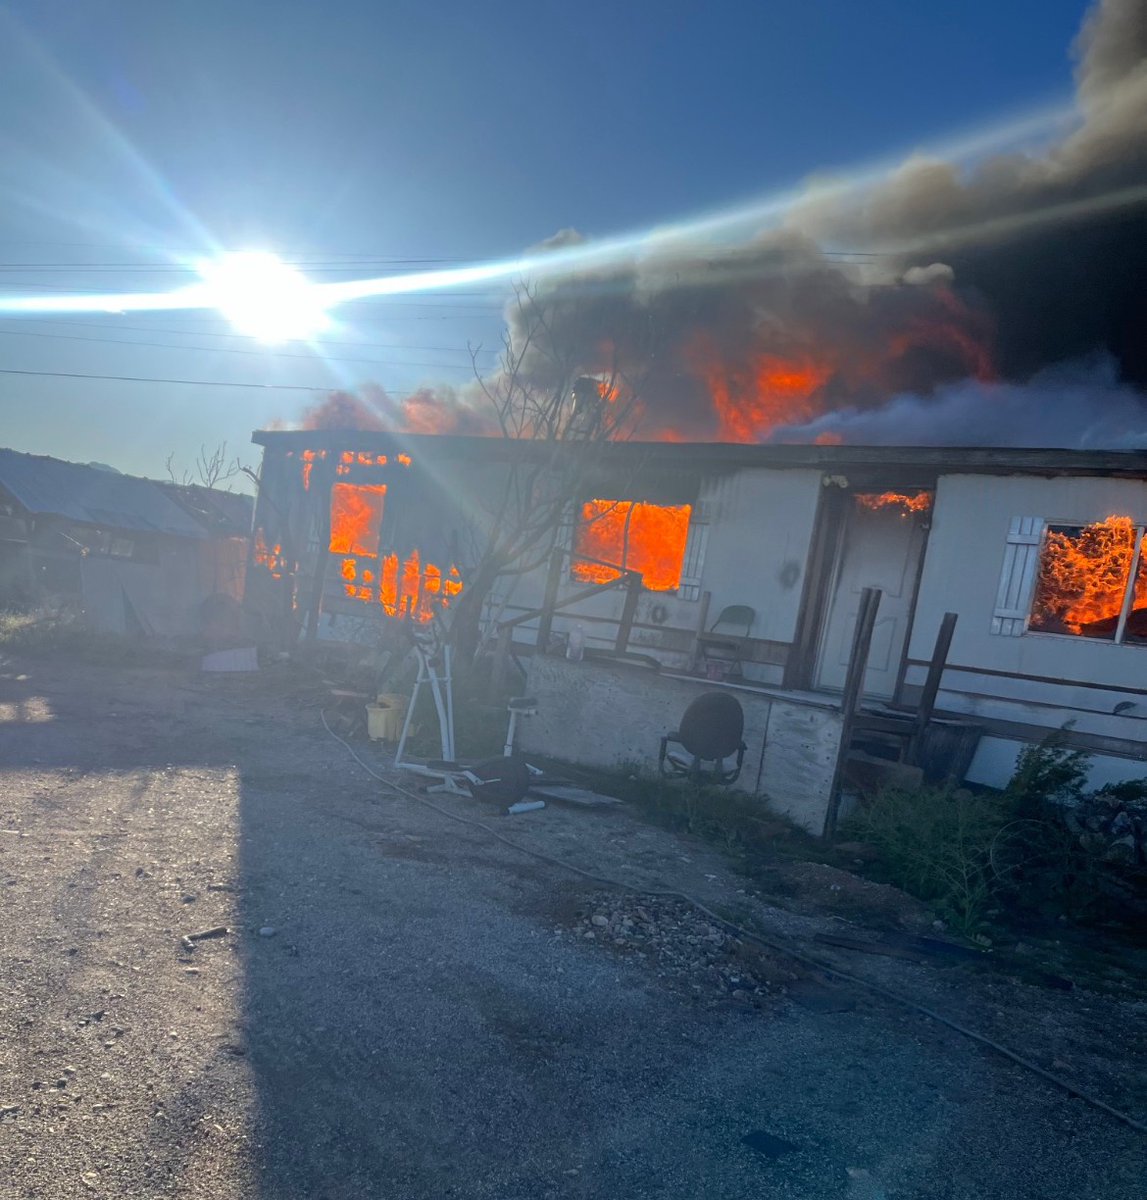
point(399, 1008)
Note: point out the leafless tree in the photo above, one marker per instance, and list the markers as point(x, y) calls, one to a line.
point(212, 468)
point(542, 394)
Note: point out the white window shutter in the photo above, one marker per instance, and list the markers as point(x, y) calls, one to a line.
point(1017, 579)
point(690, 588)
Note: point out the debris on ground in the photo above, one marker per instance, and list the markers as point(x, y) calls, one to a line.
point(203, 935)
point(685, 948)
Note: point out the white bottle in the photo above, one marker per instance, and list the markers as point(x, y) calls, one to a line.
point(575, 648)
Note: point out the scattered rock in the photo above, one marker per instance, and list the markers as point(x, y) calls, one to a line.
point(267, 931)
point(687, 950)
point(216, 931)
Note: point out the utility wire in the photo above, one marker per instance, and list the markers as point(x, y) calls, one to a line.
point(74, 337)
point(117, 328)
point(262, 387)
point(740, 931)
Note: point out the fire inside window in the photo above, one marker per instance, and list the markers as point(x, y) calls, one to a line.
point(631, 535)
point(903, 503)
point(356, 518)
point(1093, 582)
point(403, 588)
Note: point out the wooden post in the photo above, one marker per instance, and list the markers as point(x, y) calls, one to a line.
point(633, 589)
point(850, 701)
point(501, 660)
point(931, 684)
point(319, 493)
point(553, 582)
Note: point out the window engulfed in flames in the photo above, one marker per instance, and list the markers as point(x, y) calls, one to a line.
point(404, 588)
point(635, 536)
point(906, 503)
point(1084, 578)
point(356, 517)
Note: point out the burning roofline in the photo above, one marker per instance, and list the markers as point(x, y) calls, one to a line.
point(728, 456)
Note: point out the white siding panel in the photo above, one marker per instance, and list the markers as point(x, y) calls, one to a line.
point(971, 521)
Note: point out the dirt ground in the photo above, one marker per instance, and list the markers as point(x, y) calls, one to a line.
point(403, 1006)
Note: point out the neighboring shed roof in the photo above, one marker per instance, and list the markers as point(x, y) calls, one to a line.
point(93, 496)
point(225, 514)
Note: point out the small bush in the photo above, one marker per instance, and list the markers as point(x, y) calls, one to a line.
point(52, 633)
point(1044, 845)
point(937, 845)
point(1070, 851)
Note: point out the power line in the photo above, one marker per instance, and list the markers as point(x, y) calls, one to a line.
point(378, 362)
point(262, 387)
point(245, 336)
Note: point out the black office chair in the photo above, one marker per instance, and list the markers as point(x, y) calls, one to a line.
point(711, 731)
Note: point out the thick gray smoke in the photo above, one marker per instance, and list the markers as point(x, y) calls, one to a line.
point(1055, 245)
point(1002, 272)
point(1080, 406)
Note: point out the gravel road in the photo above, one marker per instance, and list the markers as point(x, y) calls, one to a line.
point(403, 1007)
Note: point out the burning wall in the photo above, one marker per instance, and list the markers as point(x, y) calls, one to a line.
point(369, 571)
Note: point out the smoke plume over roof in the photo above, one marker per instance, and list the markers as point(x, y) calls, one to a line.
point(999, 304)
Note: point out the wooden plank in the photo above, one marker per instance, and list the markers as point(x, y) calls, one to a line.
point(582, 797)
point(932, 683)
point(853, 687)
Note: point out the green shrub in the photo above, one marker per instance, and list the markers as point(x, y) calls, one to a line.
point(1056, 857)
point(938, 845)
point(1036, 847)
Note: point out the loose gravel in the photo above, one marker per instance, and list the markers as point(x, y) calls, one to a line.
point(428, 1017)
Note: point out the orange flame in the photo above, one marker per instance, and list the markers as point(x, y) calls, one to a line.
point(754, 398)
point(907, 502)
point(405, 589)
point(649, 538)
point(309, 459)
point(269, 557)
point(356, 516)
point(1083, 578)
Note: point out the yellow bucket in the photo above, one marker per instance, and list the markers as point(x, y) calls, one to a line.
point(384, 718)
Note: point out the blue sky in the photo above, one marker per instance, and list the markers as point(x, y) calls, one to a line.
point(136, 136)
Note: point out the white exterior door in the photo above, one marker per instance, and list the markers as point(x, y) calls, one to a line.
point(881, 548)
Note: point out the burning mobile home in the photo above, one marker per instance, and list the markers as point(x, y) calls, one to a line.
point(738, 566)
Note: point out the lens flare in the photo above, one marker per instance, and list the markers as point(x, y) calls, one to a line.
point(263, 297)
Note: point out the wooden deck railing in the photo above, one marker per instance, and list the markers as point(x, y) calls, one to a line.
point(631, 581)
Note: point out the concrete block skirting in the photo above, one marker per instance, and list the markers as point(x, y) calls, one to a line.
point(605, 714)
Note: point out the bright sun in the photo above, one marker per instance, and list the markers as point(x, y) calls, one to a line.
point(263, 297)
